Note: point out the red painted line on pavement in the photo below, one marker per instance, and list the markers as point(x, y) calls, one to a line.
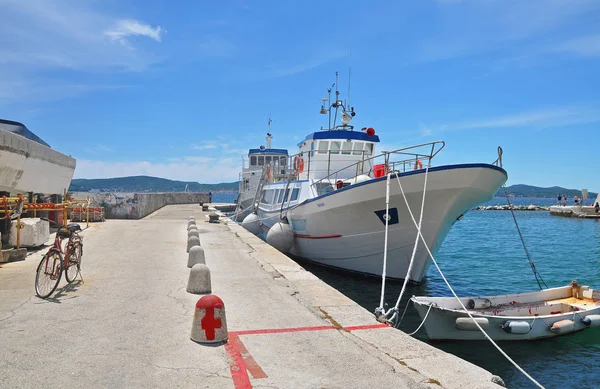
point(366, 327)
point(304, 236)
point(241, 362)
point(304, 329)
point(237, 367)
point(251, 365)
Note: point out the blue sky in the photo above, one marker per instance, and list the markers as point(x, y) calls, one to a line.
point(181, 89)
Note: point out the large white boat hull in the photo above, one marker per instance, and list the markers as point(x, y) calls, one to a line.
point(28, 166)
point(345, 228)
point(540, 310)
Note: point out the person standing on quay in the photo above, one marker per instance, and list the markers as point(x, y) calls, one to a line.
point(559, 198)
point(565, 200)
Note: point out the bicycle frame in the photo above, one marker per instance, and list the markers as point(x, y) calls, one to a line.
point(64, 254)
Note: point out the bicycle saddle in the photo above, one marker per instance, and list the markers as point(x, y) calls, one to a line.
point(73, 227)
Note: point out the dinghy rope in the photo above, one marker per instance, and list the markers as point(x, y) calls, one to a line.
point(380, 311)
point(536, 274)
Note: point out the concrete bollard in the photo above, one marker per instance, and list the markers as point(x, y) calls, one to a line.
point(191, 218)
point(196, 255)
point(191, 242)
point(191, 223)
point(193, 232)
point(209, 325)
point(192, 227)
point(199, 280)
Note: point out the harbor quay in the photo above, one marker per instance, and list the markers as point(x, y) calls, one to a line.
point(129, 323)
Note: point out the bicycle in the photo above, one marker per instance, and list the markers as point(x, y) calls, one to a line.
point(55, 261)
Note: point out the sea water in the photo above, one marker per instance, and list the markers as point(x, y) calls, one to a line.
point(483, 255)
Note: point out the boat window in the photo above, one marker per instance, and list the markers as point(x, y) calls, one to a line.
point(312, 149)
point(261, 160)
point(253, 160)
point(295, 193)
point(335, 147)
point(323, 187)
point(283, 161)
point(323, 146)
point(369, 148)
point(276, 195)
point(287, 193)
point(347, 147)
point(267, 160)
point(263, 198)
point(267, 197)
point(358, 147)
point(280, 199)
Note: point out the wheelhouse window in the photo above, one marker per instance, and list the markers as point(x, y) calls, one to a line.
point(253, 160)
point(276, 195)
point(358, 148)
point(287, 194)
point(312, 149)
point(267, 159)
point(323, 146)
point(283, 161)
point(336, 147)
point(369, 148)
point(295, 194)
point(280, 199)
point(261, 160)
point(347, 147)
point(267, 196)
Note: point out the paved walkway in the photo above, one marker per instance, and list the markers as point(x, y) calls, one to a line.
point(128, 325)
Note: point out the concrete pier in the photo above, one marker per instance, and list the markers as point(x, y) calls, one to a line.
point(129, 326)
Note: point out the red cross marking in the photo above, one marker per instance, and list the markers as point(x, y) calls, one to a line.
point(209, 323)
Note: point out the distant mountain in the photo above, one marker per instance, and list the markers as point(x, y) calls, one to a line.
point(140, 184)
point(521, 190)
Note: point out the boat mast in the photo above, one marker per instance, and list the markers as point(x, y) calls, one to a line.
point(269, 136)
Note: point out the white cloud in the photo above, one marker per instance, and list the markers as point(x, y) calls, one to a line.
point(199, 171)
point(205, 146)
point(584, 46)
point(552, 117)
point(40, 37)
point(535, 119)
point(132, 27)
point(465, 28)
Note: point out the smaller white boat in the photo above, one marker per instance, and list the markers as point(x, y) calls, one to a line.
point(522, 316)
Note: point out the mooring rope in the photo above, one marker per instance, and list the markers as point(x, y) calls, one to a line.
point(380, 311)
point(466, 310)
point(536, 274)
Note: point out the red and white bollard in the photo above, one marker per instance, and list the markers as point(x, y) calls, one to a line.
point(209, 325)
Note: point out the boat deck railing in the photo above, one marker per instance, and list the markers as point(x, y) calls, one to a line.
point(396, 161)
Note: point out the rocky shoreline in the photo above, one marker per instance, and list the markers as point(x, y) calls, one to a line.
point(507, 207)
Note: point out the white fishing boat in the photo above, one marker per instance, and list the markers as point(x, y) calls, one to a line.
point(28, 164)
point(327, 203)
point(521, 316)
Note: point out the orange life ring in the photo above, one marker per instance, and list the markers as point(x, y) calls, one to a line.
point(418, 164)
point(268, 173)
point(298, 164)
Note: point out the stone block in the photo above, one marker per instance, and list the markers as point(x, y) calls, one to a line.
point(34, 232)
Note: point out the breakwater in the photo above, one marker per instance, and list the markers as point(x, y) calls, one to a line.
point(530, 207)
point(138, 205)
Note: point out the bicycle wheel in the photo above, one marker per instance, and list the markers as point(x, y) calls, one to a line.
point(72, 264)
point(48, 274)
